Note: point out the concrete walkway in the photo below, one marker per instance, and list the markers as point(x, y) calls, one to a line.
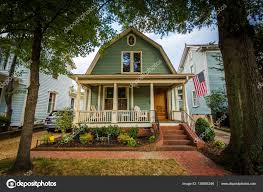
point(222, 136)
point(194, 162)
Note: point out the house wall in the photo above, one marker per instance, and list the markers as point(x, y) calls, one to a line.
point(47, 84)
point(205, 60)
point(110, 61)
point(142, 97)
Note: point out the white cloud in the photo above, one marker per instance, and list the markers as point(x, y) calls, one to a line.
point(173, 45)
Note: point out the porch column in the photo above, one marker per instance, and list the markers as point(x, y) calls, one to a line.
point(132, 102)
point(152, 113)
point(85, 99)
point(99, 94)
point(115, 103)
point(78, 102)
point(173, 103)
point(89, 100)
point(184, 97)
point(176, 99)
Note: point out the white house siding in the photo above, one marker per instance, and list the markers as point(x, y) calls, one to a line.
point(61, 86)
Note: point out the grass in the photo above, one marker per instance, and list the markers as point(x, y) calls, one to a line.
point(99, 167)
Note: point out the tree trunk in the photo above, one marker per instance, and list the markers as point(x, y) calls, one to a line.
point(23, 161)
point(10, 88)
point(245, 150)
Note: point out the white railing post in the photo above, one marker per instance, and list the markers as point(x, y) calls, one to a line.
point(152, 103)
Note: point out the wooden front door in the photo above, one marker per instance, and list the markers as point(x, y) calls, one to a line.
point(160, 103)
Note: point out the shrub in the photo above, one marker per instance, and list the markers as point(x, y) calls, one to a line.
point(48, 138)
point(113, 131)
point(133, 132)
point(85, 138)
point(219, 144)
point(124, 138)
point(152, 139)
point(4, 123)
point(64, 120)
point(131, 142)
point(203, 130)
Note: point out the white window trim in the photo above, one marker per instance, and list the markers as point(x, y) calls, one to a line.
point(55, 105)
point(127, 95)
point(132, 62)
point(197, 101)
point(128, 39)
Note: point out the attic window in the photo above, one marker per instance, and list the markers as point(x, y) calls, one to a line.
point(131, 40)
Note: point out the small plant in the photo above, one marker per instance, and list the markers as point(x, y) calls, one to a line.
point(133, 132)
point(48, 138)
point(64, 120)
point(124, 138)
point(219, 144)
point(131, 142)
point(152, 139)
point(203, 130)
point(86, 138)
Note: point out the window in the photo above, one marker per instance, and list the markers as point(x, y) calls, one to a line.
point(195, 99)
point(108, 98)
point(131, 40)
point(131, 61)
point(51, 102)
point(122, 98)
point(191, 69)
point(72, 103)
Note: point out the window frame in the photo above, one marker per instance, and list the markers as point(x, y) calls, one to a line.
point(131, 62)
point(55, 99)
point(131, 35)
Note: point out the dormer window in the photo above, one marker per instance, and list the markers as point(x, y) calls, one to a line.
point(131, 61)
point(131, 40)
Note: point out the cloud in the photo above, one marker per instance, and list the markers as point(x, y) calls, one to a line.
point(173, 45)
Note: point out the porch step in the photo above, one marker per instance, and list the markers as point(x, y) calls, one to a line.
point(176, 148)
point(177, 142)
point(174, 137)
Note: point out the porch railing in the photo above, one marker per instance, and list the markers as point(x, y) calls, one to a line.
point(133, 116)
point(183, 117)
point(113, 116)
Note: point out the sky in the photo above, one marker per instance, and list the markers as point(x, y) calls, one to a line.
point(173, 45)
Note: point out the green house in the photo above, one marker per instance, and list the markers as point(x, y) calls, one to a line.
point(130, 82)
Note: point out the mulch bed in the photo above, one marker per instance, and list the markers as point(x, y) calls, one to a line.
point(99, 145)
point(212, 152)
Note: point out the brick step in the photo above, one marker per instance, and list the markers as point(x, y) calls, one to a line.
point(176, 148)
point(177, 142)
point(173, 132)
point(168, 128)
point(177, 136)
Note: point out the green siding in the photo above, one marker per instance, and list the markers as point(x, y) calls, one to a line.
point(142, 97)
point(110, 60)
point(94, 96)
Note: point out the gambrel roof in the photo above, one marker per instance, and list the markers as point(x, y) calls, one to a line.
point(144, 37)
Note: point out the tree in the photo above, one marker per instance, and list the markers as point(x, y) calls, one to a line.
point(44, 23)
point(236, 32)
point(217, 101)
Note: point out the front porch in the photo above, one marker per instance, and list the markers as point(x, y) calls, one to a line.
point(130, 101)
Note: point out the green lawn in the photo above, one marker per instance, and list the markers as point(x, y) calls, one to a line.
point(97, 167)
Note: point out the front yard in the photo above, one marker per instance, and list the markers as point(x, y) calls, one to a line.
point(100, 167)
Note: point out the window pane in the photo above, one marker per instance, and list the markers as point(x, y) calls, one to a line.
point(137, 62)
point(109, 92)
point(122, 104)
point(108, 104)
point(122, 92)
point(126, 61)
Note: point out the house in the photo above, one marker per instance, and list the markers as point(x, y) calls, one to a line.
point(130, 82)
point(55, 92)
point(207, 58)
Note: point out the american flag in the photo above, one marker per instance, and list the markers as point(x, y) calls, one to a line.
point(200, 85)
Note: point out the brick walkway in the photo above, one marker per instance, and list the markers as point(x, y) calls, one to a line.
point(194, 162)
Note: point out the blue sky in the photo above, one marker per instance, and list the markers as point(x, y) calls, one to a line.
point(173, 45)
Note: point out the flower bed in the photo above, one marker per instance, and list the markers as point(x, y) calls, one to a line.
point(111, 136)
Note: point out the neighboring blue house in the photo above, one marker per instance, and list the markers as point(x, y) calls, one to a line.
point(55, 93)
point(197, 58)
